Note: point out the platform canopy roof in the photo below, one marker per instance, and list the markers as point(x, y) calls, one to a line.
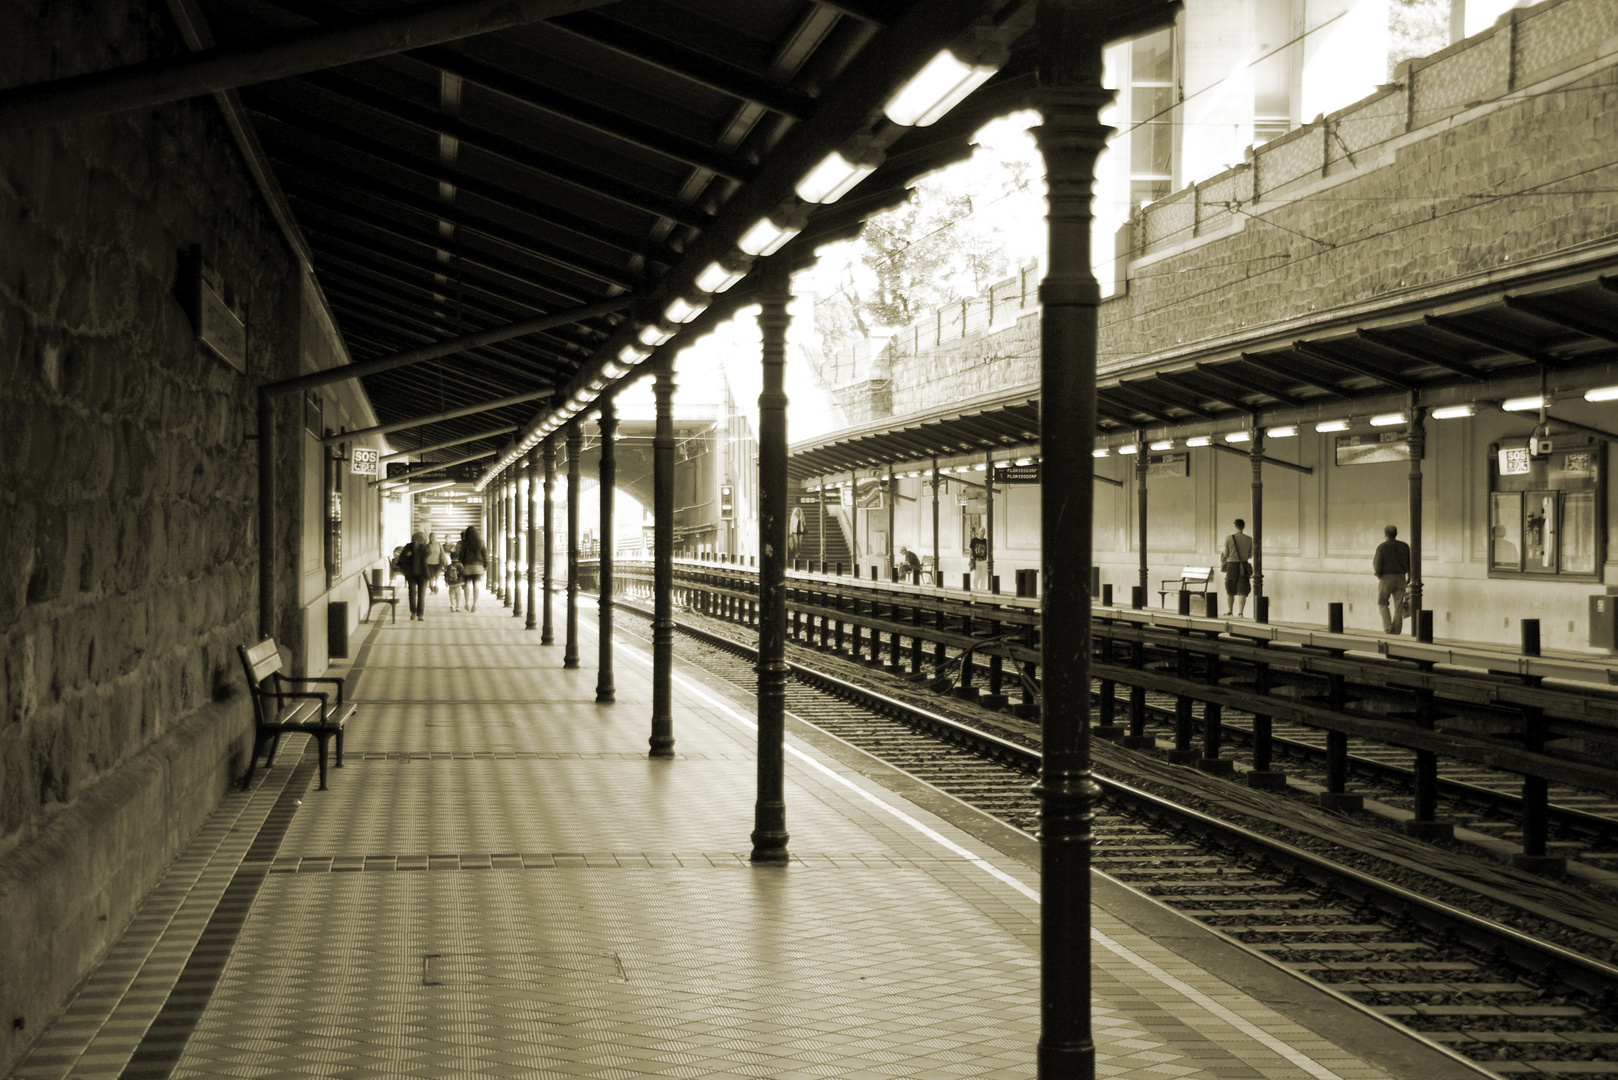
point(449, 169)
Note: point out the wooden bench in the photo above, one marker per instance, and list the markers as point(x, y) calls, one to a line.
point(1192, 579)
point(278, 710)
point(378, 593)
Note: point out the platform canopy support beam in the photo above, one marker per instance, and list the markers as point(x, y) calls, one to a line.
point(662, 740)
point(607, 422)
point(575, 440)
point(547, 631)
point(1070, 36)
point(1418, 449)
point(508, 535)
point(1261, 606)
point(769, 811)
point(1142, 468)
point(522, 556)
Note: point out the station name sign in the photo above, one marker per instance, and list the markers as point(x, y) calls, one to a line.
point(1017, 474)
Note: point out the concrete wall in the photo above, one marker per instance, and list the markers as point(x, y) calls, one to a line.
point(128, 493)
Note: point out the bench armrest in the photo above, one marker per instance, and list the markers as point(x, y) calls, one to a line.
point(315, 695)
point(314, 679)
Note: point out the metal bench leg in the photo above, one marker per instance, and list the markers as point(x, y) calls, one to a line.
point(339, 748)
point(275, 744)
point(321, 740)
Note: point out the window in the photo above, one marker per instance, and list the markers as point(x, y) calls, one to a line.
point(1152, 99)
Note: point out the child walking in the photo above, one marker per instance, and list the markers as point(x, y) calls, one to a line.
point(452, 582)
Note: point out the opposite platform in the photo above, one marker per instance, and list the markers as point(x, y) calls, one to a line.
point(500, 882)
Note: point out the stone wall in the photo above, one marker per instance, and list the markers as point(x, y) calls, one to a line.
point(1477, 162)
point(128, 557)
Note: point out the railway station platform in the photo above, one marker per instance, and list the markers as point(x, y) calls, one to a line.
point(500, 883)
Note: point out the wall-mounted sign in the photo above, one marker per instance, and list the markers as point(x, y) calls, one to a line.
point(1018, 474)
point(1168, 465)
point(218, 321)
point(362, 461)
point(1514, 461)
point(1374, 447)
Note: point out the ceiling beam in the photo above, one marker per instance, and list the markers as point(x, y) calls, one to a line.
point(1540, 310)
point(1358, 367)
point(586, 114)
point(433, 418)
point(431, 170)
point(1384, 341)
point(1252, 386)
point(445, 348)
point(1285, 372)
point(528, 158)
point(1493, 341)
point(207, 71)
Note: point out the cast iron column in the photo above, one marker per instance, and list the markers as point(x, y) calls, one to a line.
point(662, 740)
point(530, 470)
point(938, 566)
point(1256, 456)
point(570, 652)
point(1418, 449)
point(769, 812)
point(1142, 466)
point(607, 422)
point(988, 518)
point(893, 509)
point(508, 498)
point(1070, 138)
point(521, 474)
point(546, 633)
point(268, 550)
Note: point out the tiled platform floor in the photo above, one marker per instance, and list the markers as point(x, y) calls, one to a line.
point(500, 882)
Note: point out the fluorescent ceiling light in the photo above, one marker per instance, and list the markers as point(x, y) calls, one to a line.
point(1389, 419)
point(1523, 404)
point(681, 310)
point(1285, 431)
point(652, 335)
point(1602, 393)
point(633, 354)
point(1102, 452)
point(1239, 436)
point(612, 369)
point(1163, 444)
point(1199, 440)
point(766, 237)
point(1453, 412)
point(1129, 448)
point(980, 468)
point(716, 277)
point(942, 84)
point(1024, 461)
point(1332, 425)
point(834, 177)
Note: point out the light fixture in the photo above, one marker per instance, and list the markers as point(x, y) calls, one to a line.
point(633, 354)
point(1387, 419)
point(652, 335)
point(1332, 425)
point(1239, 437)
point(1601, 393)
point(1024, 461)
point(716, 277)
point(612, 369)
point(1101, 452)
point(945, 81)
point(1200, 440)
point(1523, 404)
point(770, 234)
point(1162, 444)
point(1453, 412)
point(597, 385)
point(981, 467)
point(683, 310)
point(839, 172)
point(913, 473)
point(1285, 431)
point(1129, 448)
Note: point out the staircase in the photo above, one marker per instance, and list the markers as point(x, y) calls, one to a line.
point(837, 550)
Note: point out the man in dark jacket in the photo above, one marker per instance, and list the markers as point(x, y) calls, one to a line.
point(1391, 565)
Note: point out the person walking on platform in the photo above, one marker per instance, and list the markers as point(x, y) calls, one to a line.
point(435, 561)
point(1237, 560)
point(472, 560)
point(413, 561)
point(1391, 565)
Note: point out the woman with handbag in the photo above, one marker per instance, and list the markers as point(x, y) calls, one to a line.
point(472, 559)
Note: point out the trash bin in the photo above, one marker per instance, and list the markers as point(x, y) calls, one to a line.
point(337, 628)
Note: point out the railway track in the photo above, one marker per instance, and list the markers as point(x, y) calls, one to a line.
point(1516, 978)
